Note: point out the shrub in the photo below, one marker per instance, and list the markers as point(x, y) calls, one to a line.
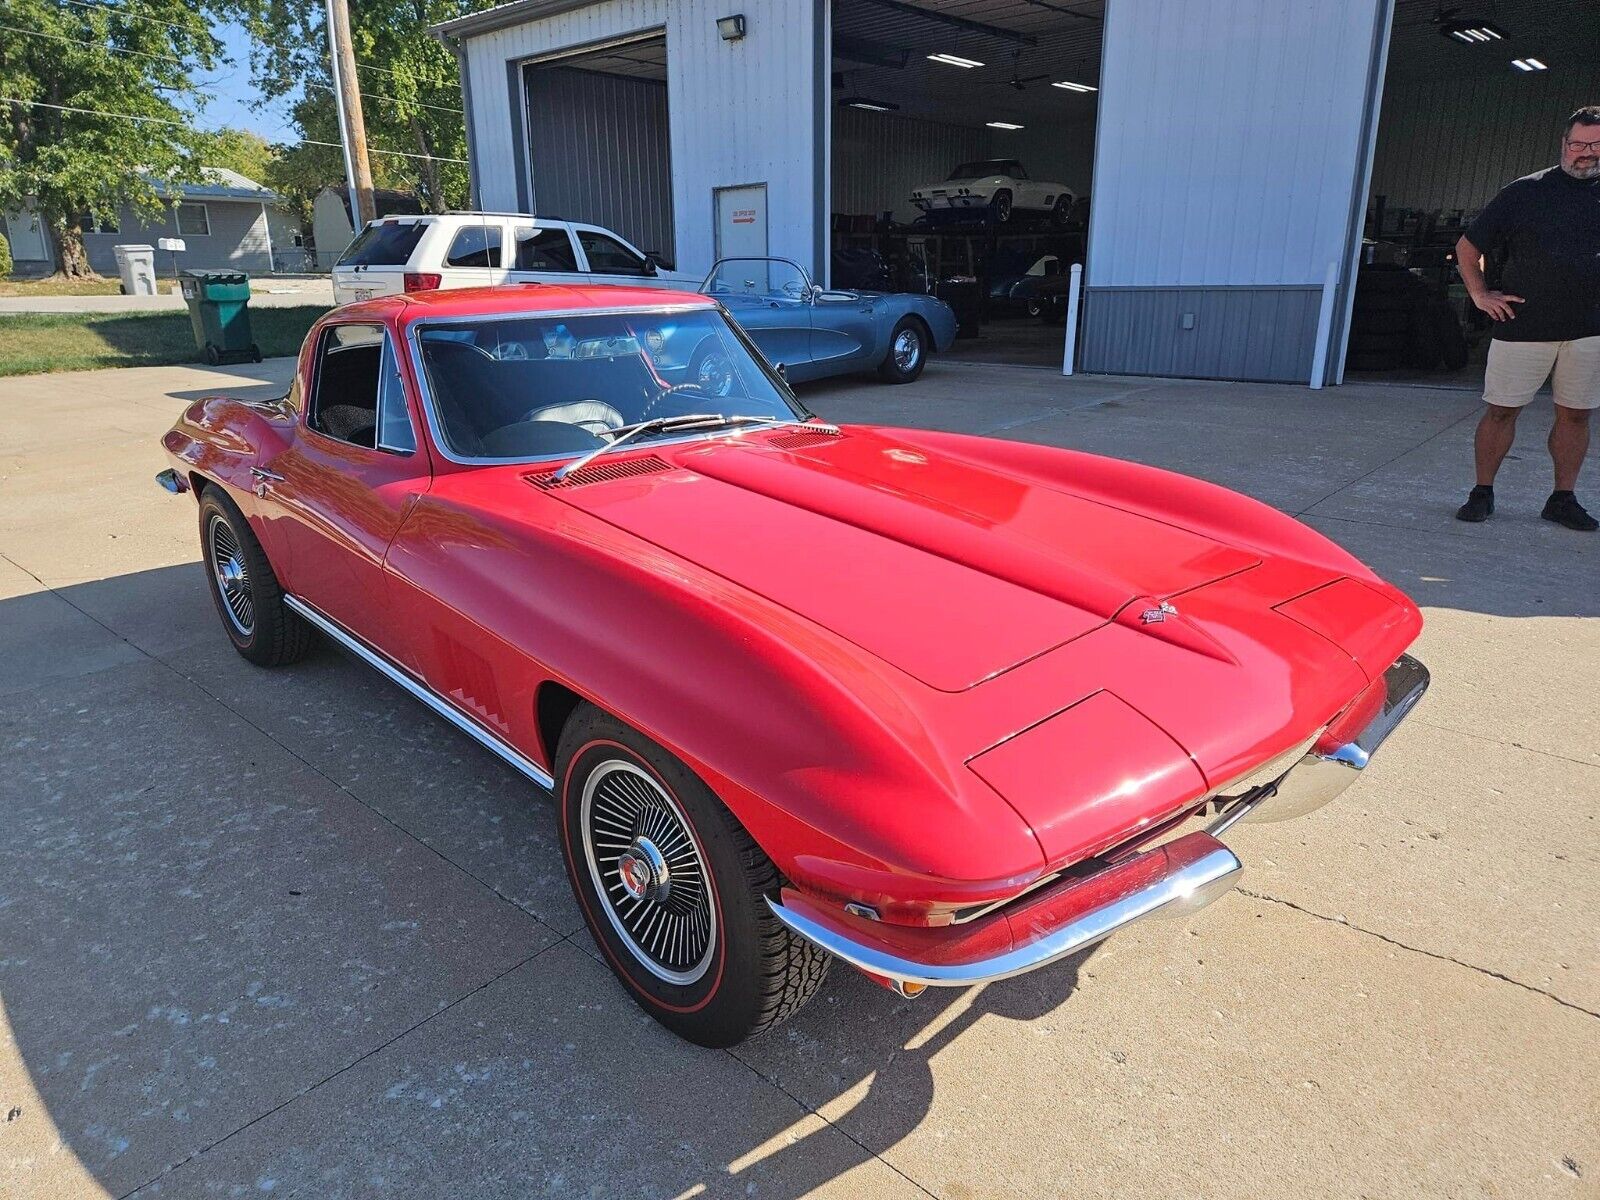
point(5, 256)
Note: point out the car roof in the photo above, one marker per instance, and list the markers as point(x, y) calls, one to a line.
point(518, 298)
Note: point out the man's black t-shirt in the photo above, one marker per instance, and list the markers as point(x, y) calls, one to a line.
point(1549, 225)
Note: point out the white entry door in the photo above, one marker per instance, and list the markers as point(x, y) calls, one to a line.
point(26, 235)
point(742, 221)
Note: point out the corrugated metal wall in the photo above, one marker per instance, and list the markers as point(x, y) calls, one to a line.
point(1233, 167)
point(600, 152)
point(750, 111)
point(878, 158)
point(1453, 143)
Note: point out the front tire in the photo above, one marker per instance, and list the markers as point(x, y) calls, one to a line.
point(247, 594)
point(908, 351)
point(1001, 207)
point(673, 889)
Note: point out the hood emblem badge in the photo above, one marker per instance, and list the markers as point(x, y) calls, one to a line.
point(1154, 616)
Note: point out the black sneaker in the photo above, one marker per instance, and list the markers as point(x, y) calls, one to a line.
point(1480, 503)
point(1563, 508)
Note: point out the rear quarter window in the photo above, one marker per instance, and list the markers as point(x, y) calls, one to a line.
point(383, 245)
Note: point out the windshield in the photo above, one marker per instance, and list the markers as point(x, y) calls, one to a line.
point(977, 170)
point(537, 386)
point(384, 244)
point(767, 278)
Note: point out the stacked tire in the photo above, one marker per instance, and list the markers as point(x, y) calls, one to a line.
point(1399, 322)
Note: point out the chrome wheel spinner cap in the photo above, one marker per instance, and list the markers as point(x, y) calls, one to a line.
point(644, 872)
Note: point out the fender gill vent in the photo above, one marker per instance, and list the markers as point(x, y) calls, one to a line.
point(802, 437)
point(601, 472)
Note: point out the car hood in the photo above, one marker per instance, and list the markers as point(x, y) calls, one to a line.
point(952, 572)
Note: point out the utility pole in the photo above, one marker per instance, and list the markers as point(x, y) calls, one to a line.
point(352, 125)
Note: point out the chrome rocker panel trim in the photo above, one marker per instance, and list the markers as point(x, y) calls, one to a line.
point(421, 691)
point(1312, 782)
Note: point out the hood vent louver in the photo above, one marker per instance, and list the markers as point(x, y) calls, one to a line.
point(601, 472)
point(802, 437)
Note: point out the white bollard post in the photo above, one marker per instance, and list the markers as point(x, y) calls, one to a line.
point(1070, 353)
point(1319, 355)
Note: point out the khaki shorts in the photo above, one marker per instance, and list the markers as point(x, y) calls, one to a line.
point(1517, 370)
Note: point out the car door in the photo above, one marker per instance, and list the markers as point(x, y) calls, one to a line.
point(608, 259)
point(845, 331)
point(473, 258)
point(337, 492)
point(543, 253)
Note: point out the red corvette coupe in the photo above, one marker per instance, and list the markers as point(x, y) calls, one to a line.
point(944, 707)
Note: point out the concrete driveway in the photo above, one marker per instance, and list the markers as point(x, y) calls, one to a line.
point(286, 933)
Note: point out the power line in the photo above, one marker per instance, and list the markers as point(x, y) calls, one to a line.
point(100, 112)
point(56, 37)
point(117, 10)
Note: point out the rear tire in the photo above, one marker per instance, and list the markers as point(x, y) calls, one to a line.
point(909, 344)
point(247, 594)
point(673, 889)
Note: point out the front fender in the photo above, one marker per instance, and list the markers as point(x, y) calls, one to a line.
point(817, 748)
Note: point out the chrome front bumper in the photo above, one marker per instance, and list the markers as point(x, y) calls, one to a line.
point(1178, 877)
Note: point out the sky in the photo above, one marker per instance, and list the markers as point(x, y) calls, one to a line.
point(232, 104)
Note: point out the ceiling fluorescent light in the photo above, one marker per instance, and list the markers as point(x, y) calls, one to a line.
point(1472, 33)
point(1001, 125)
point(1073, 87)
point(1520, 64)
point(869, 104)
point(954, 60)
point(1528, 64)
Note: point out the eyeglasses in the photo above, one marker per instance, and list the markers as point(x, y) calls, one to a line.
point(1584, 147)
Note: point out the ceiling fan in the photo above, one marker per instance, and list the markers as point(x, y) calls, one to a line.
point(1019, 81)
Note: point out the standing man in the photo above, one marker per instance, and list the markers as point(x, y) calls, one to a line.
point(1547, 320)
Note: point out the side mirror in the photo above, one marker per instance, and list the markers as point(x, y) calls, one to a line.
point(783, 371)
point(816, 292)
point(650, 264)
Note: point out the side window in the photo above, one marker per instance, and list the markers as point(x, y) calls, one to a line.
point(475, 246)
point(545, 250)
point(344, 400)
point(394, 420)
point(607, 256)
point(1015, 170)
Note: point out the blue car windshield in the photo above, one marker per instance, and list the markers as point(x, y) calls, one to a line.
point(535, 386)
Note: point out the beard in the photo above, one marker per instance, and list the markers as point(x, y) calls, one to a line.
point(1578, 171)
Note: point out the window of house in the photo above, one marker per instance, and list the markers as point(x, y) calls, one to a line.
point(607, 256)
point(545, 250)
point(89, 223)
point(475, 246)
point(344, 399)
point(193, 220)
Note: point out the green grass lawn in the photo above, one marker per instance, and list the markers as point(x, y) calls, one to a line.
point(34, 343)
point(57, 285)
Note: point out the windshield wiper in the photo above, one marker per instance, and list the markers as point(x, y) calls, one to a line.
point(684, 421)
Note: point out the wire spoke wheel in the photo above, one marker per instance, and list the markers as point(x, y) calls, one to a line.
point(649, 870)
point(232, 575)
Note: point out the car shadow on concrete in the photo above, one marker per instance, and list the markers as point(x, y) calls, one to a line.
point(242, 911)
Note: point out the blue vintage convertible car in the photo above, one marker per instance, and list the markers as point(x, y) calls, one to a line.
point(812, 332)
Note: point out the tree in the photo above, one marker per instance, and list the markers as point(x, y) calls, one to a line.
point(239, 150)
point(69, 68)
point(409, 79)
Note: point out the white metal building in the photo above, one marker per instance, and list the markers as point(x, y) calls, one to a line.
point(1233, 149)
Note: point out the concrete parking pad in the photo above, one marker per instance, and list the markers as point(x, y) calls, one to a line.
point(286, 933)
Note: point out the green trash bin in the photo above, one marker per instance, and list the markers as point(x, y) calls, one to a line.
point(219, 310)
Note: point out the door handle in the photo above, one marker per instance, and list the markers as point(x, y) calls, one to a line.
point(263, 477)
